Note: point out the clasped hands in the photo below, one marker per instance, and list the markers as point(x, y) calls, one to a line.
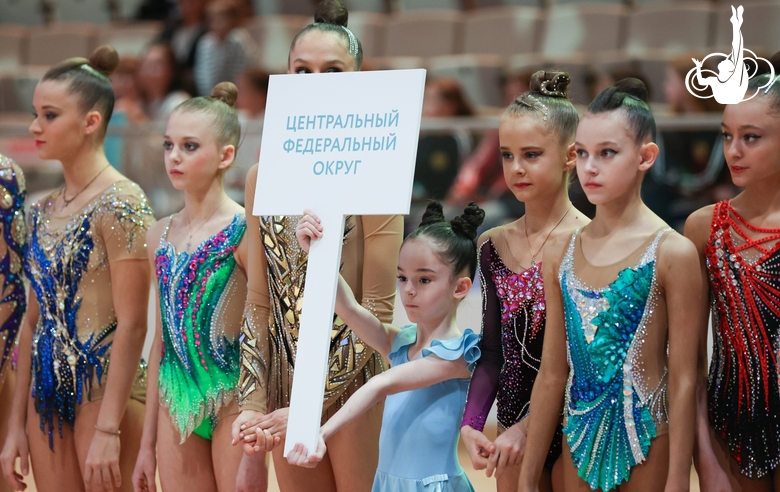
point(495, 457)
point(258, 432)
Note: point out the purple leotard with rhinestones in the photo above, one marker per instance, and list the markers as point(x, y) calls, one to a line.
point(513, 320)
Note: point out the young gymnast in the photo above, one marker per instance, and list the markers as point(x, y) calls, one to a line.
point(13, 301)
point(431, 359)
point(537, 145)
point(276, 271)
point(738, 418)
point(78, 418)
point(199, 255)
point(620, 341)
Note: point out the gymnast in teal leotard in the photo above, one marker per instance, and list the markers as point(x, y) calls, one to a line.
point(624, 300)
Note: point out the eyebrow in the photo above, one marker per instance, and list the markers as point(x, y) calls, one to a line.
point(600, 144)
point(301, 60)
point(48, 106)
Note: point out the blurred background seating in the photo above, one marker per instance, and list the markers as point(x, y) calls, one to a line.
point(487, 49)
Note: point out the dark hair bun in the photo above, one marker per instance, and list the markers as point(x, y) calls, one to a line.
point(104, 59)
point(434, 213)
point(227, 92)
point(467, 224)
point(332, 12)
point(633, 87)
point(552, 84)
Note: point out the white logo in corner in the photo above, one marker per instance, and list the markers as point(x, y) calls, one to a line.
point(730, 84)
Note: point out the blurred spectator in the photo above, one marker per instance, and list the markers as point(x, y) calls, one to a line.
point(159, 84)
point(183, 32)
point(127, 94)
point(444, 98)
point(481, 177)
point(225, 50)
point(252, 93)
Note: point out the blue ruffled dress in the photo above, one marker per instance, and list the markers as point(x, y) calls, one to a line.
point(420, 428)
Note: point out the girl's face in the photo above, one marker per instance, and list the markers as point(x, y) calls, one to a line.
point(429, 289)
point(320, 52)
point(193, 157)
point(751, 141)
point(536, 165)
point(609, 161)
point(60, 126)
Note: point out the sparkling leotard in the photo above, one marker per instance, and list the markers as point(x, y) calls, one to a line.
point(202, 297)
point(610, 413)
point(68, 264)
point(12, 194)
point(744, 380)
point(513, 320)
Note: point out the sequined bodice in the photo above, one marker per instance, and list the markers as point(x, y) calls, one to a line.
point(521, 297)
point(68, 267)
point(610, 411)
point(744, 379)
point(12, 195)
point(286, 280)
point(201, 302)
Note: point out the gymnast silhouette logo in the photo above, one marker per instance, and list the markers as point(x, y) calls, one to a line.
point(730, 84)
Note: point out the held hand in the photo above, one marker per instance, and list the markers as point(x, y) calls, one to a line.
point(308, 228)
point(243, 429)
point(509, 449)
point(16, 446)
point(101, 469)
point(274, 424)
point(144, 472)
point(252, 474)
point(696, 62)
point(477, 446)
point(299, 455)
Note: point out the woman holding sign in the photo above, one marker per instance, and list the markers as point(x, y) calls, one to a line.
point(276, 272)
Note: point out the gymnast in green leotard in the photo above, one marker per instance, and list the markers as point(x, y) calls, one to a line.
point(199, 256)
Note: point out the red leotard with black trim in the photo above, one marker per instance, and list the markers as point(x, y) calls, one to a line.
point(743, 262)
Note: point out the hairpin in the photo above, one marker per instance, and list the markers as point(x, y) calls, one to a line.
point(538, 105)
point(766, 91)
point(353, 42)
point(555, 83)
point(89, 68)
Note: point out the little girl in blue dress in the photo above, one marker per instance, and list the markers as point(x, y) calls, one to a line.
point(431, 359)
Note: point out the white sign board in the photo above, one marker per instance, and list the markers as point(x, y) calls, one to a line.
point(338, 144)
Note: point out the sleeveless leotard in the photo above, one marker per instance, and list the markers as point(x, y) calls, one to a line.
point(610, 413)
point(202, 297)
point(744, 380)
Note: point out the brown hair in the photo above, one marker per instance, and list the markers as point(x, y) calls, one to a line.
point(220, 105)
point(548, 97)
point(332, 16)
point(87, 79)
point(451, 91)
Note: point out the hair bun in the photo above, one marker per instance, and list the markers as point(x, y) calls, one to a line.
point(467, 224)
point(227, 92)
point(332, 12)
point(104, 59)
point(633, 87)
point(434, 213)
point(552, 84)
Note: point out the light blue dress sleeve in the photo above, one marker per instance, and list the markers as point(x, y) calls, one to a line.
point(466, 346)
point(406, 337)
